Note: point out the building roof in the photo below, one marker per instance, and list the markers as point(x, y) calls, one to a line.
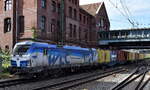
point(92, 8)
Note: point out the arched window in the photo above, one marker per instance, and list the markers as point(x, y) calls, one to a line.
point(7, 25)
point(8, 5)
point(74, 31)
point(43, 23)
point(71, 30)
point(75, 14)
point(43, 3)
point(53, 6)
point(70, 12)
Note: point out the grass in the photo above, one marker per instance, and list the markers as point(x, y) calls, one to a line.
point(5, 74)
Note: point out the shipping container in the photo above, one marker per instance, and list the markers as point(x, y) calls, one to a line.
point(133, 57)
point(137, 56)
point(100, 56)
point(125, 56)
point(107, 56)
point(120, 56)
point(141, 56)
point(113, 57)
point(130, 56)
point(147, 56)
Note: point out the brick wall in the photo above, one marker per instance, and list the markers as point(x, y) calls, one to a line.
point(84, 32)
point(6, 39)
point(72, 36)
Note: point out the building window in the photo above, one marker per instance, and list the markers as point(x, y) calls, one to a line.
point(43, 3)
point(87, 20)
point(76, 2)
point(102, 22)
point(53, 6)
point(7, 25)
point(8, 5)
point(58, 8)
point(43, 23)
point(74, 31)
point(53, 25)
point(75, 14)
point(84, 19)
point(21, 24)
point(70, 12)
point(80, 16)
point(79, 33)
point(72, 1)
point(70, 26)
point(86, 34)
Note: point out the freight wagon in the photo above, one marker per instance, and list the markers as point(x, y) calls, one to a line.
point(35, 57)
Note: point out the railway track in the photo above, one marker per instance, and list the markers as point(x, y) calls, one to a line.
point(136, 74)
point(63, 85)
point(20, 82)
point(11, 82)
point(14, 82)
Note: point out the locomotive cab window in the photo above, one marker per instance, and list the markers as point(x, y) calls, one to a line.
point(21, 49)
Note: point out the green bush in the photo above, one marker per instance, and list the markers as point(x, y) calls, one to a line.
point(5, 57)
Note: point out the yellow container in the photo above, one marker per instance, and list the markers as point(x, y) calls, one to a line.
point(142, 56)
point(100, 56)
point(107, 56)
point(103, 56)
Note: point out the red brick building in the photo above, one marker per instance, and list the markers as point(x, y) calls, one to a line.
point(93, 19)
point(51, 21)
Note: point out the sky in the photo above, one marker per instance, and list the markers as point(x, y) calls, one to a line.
point(126, 14)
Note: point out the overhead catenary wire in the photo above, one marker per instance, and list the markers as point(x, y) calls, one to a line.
point(124, 15)
point(128, 13)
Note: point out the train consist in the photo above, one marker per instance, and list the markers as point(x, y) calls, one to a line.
point(35, 57)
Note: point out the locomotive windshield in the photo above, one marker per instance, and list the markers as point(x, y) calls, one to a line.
point(21, 49)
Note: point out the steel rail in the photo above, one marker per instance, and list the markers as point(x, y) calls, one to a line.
point(140, 82)
point(14, 82)
point(129, 81)
point(142, 87)
point(62, 85)
point(126, 79)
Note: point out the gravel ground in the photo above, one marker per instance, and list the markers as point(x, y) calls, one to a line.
point(102, 84)
point(105, 83)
